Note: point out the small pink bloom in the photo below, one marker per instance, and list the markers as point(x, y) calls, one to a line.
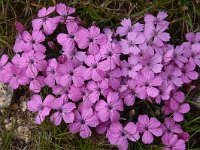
point(64, 111)
point(149, 127)
point(83, 120)
point(43, 20)
point(173, 143)
point(91, 38)
point(147, 84)
point(42, 107)
point(109, 110)
point(119, 135)
point(33, 41)
point(170, 128)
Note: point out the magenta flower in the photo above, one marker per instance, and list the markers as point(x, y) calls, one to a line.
point(91, 38)
point(164, 92)
point(119, 135)
point(128, 93)
point(178, 56)
point(147, 84)
point(170, 128)
point(179, 111)
point(131, 44)
point(172, 75)
point(195, 54)
point(33, 62)
point(14, 76)
point(109, 110)
point(67, 40)
point(193, 37)
point(111, 53)
point(93, 70)
point(42, 107)
point(37, 84)
point(3, 62)
point(131, 67)
point(149, 127)
point(69, 73)
point(96, 88)
point(173, 143)
point(52, 75)
point(112, 78)
point(64, 12)
point(126, 27)
point(33, 42)
point(188, 73)
point(83, 120)
point(176, 97)
point(151, 60)
point(64, 111)
point(43, 20)
point(78, 93)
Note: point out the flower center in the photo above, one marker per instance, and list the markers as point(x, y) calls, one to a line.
point(82, 121)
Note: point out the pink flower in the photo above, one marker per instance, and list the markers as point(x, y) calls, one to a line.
point(42, 107)
point(112, 78)
point(20, 27)
point(119, 135)
point(43, 20)
point(128, 92)
point(64, 111)
point(148, 126)
point(147, 83)
point(69, 73)
point(33, 42)
point(33, 62)
point(67, 40)
point(91, 38)
point(172, 75)
point(109, 110)
point(178, 56)
point(152, 60)
point(93, 69)
point(179, 110)
point(170, 128)
point(3, 61)
point(173, 143)
point(37, 84)
point(193, 37)
point(195, 54)
point(111, 53)
point(131, 67)
point(52, 75)
point(15, 76)
point(64, 12)
point(125, 28)
point(188, 73)
point(78, 93)
point(176, 97)
point(96, 88)
point(83, 120)
point(131, 44)
point(164, 92)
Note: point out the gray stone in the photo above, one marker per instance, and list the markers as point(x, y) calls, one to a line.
point(5, 96)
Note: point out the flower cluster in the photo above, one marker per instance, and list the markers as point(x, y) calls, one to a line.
point(95, 75)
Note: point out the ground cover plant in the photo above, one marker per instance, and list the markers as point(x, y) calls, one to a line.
point(99, 76)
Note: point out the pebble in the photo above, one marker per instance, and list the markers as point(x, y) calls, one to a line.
point(5, 96)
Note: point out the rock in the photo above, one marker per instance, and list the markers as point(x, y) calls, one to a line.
point(23, 133)
point(23, 106)
point(5, 96)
